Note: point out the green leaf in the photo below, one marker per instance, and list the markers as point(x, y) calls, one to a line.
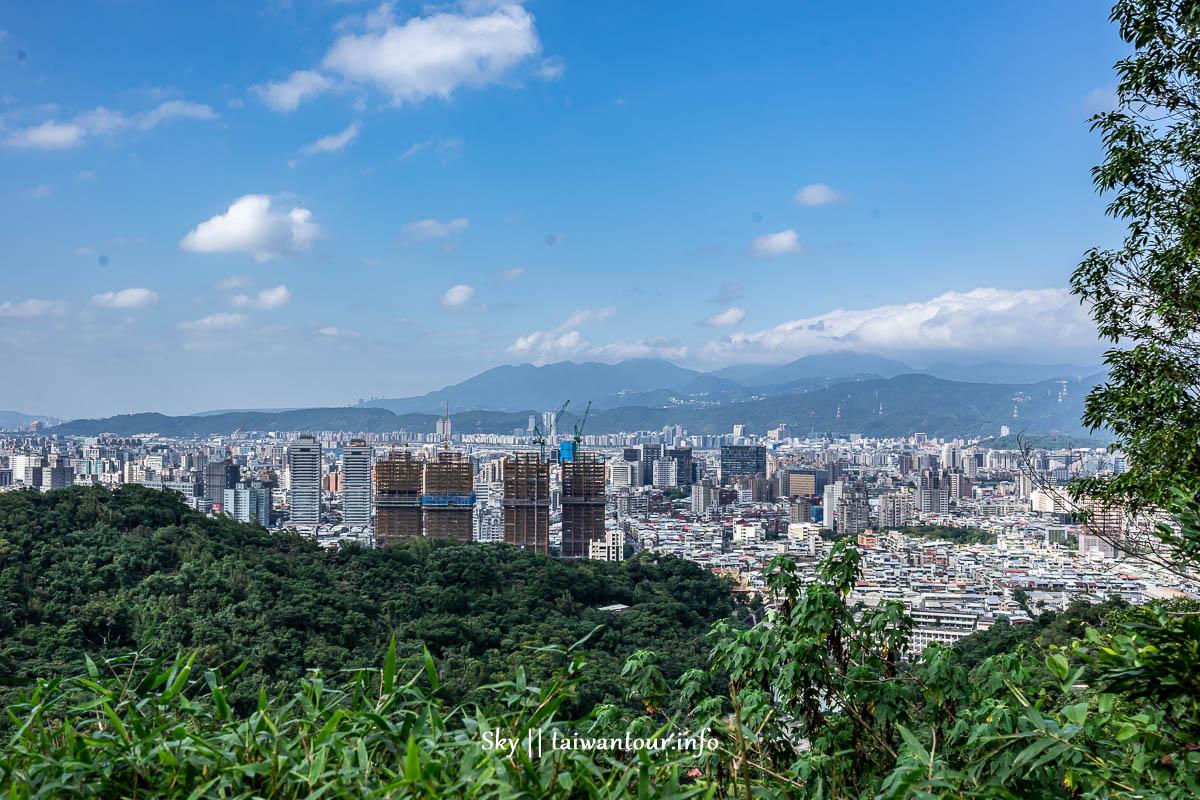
point(389, 667)
point(1077, 713)
point(430, 671)
point(412, 761)
point(1058, 665)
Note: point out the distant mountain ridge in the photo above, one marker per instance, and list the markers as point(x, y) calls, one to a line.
point(895, 406)
point(510, 388)
point(16, 420)
point(657, 383)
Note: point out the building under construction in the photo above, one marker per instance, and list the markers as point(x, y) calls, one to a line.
point(398, 498)
point(448, 501)
point(582, 502)
point(527, 502)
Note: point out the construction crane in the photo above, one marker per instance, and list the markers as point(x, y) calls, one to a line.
point(232, 438)
point(539, 438)
point(579, 425)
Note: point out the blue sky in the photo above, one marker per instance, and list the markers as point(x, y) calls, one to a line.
point(283, 204)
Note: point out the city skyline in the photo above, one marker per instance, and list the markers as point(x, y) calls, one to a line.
point(707, 187)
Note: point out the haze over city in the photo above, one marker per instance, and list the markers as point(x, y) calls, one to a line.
point(221, 206)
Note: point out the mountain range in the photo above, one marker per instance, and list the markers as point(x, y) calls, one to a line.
point(653, 383)
point(648, 395)
point(18, 421)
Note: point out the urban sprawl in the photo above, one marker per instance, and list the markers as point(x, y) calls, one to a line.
point(961, 533)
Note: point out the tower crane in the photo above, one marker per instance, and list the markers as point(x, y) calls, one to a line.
point(539, 438)
point(232, 438)
point(579, 425)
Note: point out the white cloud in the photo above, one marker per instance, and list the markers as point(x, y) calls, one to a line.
point(653, 347)
point(334, 142)
point(585, 316)
point(253, 227)
point(776, 244)
point(222, 321)
point(83, 251)
point(457, 296)
point(32, 308)
point(551, 68)
point(102, 121)
point(562, 341)
point(424, 229)
point(125, 298)
point(47, 136)
point(234, 282)
point(415, 148)
point(980, 320)
point(287, 95)
point(512, 274)
point(435, 55)
point(86, 175)
point(40, 192)
point(329, 330)
point(420, 57)
point(723, 319)
point(445, 149)
point(267, 299)
point(817, 194)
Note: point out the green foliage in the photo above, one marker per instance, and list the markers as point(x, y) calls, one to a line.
point(89, 570)
point(948, 533)
point(1145, 294)
point(1048, 629)
point(1019, 441)
point(136, 728)
point(823, 703)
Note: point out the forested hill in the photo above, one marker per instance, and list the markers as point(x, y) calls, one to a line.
point(88, 570)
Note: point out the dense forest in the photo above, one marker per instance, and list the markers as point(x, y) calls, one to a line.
point(86, 570)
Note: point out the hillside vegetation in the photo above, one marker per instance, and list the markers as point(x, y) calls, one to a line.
point(86, 570)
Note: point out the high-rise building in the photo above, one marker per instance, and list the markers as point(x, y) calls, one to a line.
point(682, 456)
point(527, 502)
point(649, 454)
point(582, 504)
point(621, 473)
point(27, 469)
point(800, 510)
point(801, 482)
point(895, 510)
point(219, 476)
point(933, 492)
point(304, 462)
point(246, 503)
point(57, 477)
point(853, 510)
point(666, 473)
point(742, 459)
point(448, 497)
point(397, 498)
point(704, 496)
point(356, 483)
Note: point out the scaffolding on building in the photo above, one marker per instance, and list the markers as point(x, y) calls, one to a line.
point(397, 498)
point(582, 504)
point(527, 502)
point(448, 499)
